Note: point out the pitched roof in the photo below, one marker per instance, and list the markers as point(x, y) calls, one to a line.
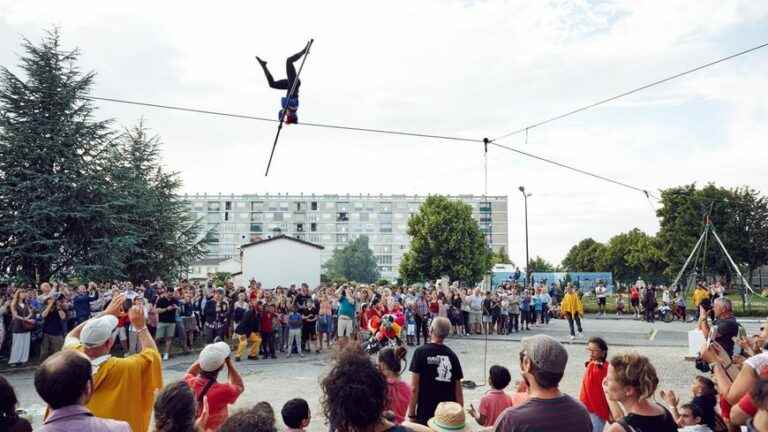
point(281, 236)
point(209, 261)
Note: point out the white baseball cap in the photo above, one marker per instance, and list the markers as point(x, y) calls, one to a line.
point(98, 330)
point(212, 357)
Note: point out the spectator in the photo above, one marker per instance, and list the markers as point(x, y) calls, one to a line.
point(9, 419)
point(175, 410)
point(267, 331)
point(21, 326)
point(449, 417)
point(704, 398)
point(632, 381)
point(63, 381)
point(216, 314)
point(166, 327)
point(700, 299)
point(435, 375)
point(542, 365)
point(573, 309)
point(601, 294)
point(495, 400)
point(260, 418)
point(592, 394)
point(295, 324)
point(82, 304)
point(725, 323)
point(355, 394)
point(201, 378)
point(390, 362)
point(691, 419)
point(248, 330)
point(123, 388)
point(296, 415)
point(346, 315)
point(54, 322)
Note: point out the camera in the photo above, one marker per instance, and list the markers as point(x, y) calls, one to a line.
point(702, 365)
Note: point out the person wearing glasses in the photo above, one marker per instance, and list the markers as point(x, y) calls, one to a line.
point(592, 394)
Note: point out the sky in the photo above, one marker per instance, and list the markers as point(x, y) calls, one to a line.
point(471, 69)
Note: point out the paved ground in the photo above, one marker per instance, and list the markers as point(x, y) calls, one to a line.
point(280, 380)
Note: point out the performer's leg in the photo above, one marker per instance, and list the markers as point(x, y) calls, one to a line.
point(279, 84)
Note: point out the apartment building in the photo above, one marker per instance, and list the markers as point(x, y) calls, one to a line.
point(332, 221)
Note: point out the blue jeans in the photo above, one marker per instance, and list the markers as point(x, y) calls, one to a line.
point(598, 424)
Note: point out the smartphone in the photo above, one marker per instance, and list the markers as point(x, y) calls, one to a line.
point(127, 304)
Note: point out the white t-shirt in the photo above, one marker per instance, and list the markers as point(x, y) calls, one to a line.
point(758, 362)
point(601, 291)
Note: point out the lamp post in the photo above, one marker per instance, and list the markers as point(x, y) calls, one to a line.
point(527, 259)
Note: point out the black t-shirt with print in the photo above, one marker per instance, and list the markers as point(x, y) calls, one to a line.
point(309, 313)
point(439, 369)
point(168, 316)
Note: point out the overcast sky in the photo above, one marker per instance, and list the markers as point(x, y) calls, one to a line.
point(463, 68)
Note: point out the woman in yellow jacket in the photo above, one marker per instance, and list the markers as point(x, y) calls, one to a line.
point(572, 309)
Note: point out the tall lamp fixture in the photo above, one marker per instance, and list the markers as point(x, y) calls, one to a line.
point(527, 259)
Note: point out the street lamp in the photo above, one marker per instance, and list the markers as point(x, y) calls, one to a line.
point(527, 260)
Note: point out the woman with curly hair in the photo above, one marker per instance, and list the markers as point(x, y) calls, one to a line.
point(632, 380)
point(355, 394)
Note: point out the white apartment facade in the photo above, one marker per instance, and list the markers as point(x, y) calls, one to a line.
point(332, 221)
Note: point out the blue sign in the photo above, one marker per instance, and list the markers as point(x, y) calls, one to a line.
point(586, 281)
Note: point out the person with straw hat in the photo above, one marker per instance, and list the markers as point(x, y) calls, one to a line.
point(449, 417)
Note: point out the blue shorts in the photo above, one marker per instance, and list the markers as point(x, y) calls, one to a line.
point(292, 103)
point(324, 324)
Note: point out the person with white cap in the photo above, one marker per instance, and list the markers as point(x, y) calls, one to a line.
point(201, 378)
point(542, 366)
point(123, 388)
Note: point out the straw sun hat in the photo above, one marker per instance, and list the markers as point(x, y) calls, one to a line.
point(449, 417)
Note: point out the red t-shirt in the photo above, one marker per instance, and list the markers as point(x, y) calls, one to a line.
point(592, 394)
point(398, 398)
point(219, 396)
point(492, 404)
point(747, 405)
point(266, 322)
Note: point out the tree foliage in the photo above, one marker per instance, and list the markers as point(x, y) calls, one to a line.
point(76, 198)
point(586, 256)
point(445, 241)
point(501, 257)
point(354, 262)
point(540, 265)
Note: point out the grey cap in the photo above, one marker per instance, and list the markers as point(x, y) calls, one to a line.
point(545, 352)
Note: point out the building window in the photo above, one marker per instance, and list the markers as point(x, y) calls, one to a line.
point(214, 217)
point(256, 227)
point(300, 227)
point(342, 206)
point(257, 217)
point(226, 216)
point(313, 227)
point(214, 206)
point(257, 205)
point(342, 238)
point(485, 207)
point(385, 207)
point(228, 205)
point(385, 228)
point(277, 217)
point(342, 217)
point(283, 206)
point(364, 217)
point(313, 205)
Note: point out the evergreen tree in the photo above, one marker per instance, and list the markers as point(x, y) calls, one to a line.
point(167, 236)
point(56, 207)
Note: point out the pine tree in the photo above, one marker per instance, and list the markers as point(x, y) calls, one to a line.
point(168, 237)
point(56, 206)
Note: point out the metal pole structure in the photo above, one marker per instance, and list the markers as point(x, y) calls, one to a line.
point(490, 277)
point(735, 267)
point(695, 248)
point(527, 259)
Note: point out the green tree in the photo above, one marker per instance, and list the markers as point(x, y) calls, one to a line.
point(540, 265)
point(445, 240)
point(586, 256)
point(167, 237)
point(633, 254)
point(501, 257)
point(57, 209)
point(353, 262)
point(738, 215)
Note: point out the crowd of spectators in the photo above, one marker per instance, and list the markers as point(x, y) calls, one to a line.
point(102, 364)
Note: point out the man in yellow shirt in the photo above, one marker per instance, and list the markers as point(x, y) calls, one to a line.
point(572, 308)
point(700, 295)
point(123, 388)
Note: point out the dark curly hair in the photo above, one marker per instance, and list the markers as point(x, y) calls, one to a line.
point(175, 408)
point(8, 403)
point(354, 392)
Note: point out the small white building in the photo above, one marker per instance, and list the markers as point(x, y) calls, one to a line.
point(206, 267)
point(281, 261)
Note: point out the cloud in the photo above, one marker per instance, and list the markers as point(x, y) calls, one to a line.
point(462, 68)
